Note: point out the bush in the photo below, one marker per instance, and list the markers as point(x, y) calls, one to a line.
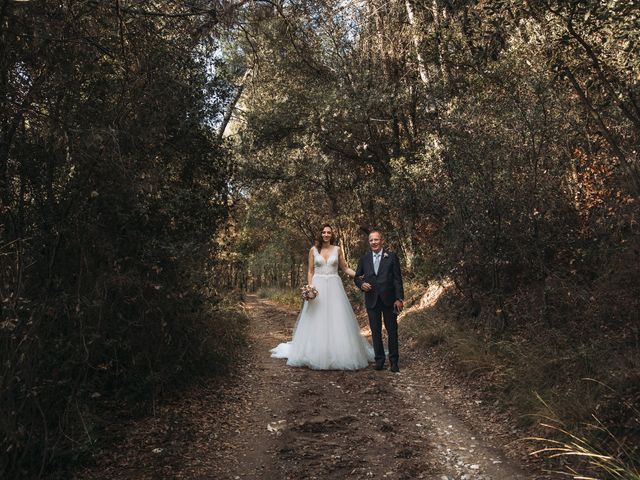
point(112, 186)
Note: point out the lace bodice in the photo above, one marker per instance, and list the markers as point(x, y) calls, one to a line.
point(325, 267)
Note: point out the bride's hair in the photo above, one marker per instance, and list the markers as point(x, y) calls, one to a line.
point(319, 240)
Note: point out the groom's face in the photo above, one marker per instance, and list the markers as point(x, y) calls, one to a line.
point(375, 241)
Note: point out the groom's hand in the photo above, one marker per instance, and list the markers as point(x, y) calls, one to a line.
point(366, 287)
point(398, 305)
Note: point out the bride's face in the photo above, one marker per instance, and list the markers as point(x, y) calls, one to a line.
point(327, 234)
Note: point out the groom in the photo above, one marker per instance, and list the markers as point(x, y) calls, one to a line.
point(378, 275)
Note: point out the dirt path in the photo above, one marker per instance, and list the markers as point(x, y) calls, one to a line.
point(273, 421)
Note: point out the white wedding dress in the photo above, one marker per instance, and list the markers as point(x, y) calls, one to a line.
point(327, 335)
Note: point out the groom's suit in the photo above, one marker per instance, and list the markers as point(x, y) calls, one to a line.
point(386, 288)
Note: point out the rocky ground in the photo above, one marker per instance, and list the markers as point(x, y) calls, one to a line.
point(272, 421)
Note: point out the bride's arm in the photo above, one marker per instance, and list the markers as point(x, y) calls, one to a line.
point(343, 264)
point(311, 268)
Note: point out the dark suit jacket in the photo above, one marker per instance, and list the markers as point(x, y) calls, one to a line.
point(387, 284)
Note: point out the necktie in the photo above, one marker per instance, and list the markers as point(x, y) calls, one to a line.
point(376, 262)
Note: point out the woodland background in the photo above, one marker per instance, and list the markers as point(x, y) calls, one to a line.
point(159, 159)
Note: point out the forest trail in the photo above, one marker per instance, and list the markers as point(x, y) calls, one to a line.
point(273, 421)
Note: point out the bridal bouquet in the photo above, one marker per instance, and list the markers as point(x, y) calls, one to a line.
point(309, 292)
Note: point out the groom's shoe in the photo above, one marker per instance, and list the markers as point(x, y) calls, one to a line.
point(394, 368)
point(379, 365)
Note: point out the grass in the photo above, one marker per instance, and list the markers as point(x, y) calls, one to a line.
point(539, 373)
point(284, 296)
point(595, 454)
point(291, 297)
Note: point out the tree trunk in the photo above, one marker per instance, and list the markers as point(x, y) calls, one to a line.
point(422, 70)
point(232, 106)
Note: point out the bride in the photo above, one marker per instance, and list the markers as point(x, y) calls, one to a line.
point(326, 335)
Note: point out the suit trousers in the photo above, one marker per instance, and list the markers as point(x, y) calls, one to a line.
point(376, 314)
